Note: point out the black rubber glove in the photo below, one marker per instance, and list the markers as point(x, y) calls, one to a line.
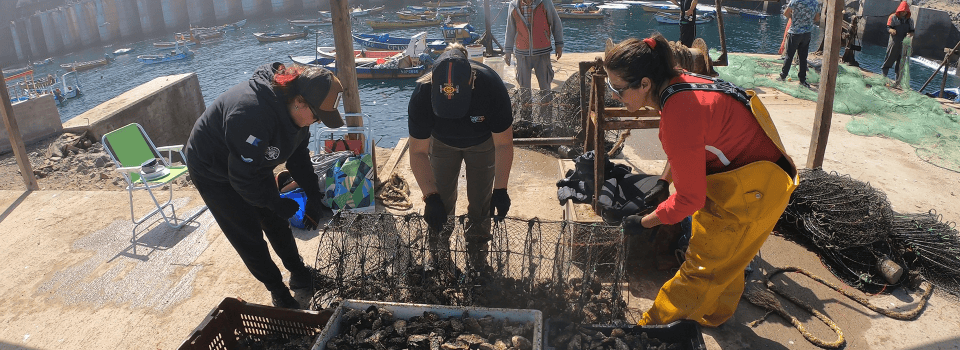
point(499, 202)
point(434, 213)
point(633, 227)
point(659, 193)
point(286, 208)
point(312, 215)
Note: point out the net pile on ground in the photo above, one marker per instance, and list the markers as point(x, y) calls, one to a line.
point(905, 115)
point(566, 270)
point(853, 228)
point(540, 114)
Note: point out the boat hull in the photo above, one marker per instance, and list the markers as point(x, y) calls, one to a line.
point(269, 37)
point(402, 24)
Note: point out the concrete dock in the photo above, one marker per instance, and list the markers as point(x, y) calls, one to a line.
point(72, 279)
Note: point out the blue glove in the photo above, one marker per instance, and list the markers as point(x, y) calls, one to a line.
point(434, 213)
point(499, 203)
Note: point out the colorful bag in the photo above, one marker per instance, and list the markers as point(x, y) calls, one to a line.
point(349, 184)
point(298, 195)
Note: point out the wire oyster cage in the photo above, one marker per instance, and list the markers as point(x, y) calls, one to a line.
point(567, 270)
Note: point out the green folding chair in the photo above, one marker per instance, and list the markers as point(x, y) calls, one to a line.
point(129, 147)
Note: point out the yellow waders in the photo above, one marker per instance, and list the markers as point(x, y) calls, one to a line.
point(742, 207)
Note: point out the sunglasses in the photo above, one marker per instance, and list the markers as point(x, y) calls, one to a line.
point(618, 93)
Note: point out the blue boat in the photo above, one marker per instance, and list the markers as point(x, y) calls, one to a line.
point(751, 14)
point(670, 18)
point(454, 32)
point(179, 52)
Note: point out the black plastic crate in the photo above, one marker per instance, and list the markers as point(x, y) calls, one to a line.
point(235, 319)
point(685, 333)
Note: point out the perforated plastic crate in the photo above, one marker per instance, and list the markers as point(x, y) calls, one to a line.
point(235, 319)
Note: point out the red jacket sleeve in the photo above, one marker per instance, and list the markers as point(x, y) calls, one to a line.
point(683, 130)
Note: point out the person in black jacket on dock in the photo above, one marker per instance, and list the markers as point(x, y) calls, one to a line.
point(233, 149)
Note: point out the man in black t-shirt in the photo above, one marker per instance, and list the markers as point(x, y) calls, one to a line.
point(461, 113)
point(688, 21)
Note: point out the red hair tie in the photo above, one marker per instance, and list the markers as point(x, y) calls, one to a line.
point(651, 43)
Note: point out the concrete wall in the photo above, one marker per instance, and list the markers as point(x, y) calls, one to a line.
point(52, 39)
point(935, 32)
point(37, 118)
point(313, 5)
point(35, 36)
point(151, 16)
point(175, 14)
point(166, 107)
point(129, 16)
point(9, 38)
point(201, 12)
point(108, 21)
point(227, 10)
point(256, 8)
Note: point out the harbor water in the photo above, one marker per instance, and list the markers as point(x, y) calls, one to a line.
point(230, 60)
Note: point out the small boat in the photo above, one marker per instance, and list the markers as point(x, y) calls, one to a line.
point(405, 23)
point(179, 39)
point(668, 8)
point(68, 91)
point(81, 66)
point(731, 9)
point(326, 55)
point(447, 3)
point(310, 22)
point(359, 12)
point(581, 11)
point(205, 34)
point(412, 15)
point(377, 64)
point(234, 26)
point(384, 73)
point(443, 10)
point(455, 32)
point(178, 53)
point(753, 14)
point(670, 18)
point(43, 62)
point(122, 51)
point(274, 37)
point(18, 70)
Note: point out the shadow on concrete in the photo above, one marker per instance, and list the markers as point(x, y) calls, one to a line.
point(953, 343)
point(13, 206)
point(9, 346)
point(156, 235)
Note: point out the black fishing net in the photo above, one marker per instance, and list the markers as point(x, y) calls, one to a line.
point(566, 270)
point(853, 229)
point(541, 114)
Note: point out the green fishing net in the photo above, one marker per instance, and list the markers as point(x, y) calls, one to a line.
point(932, 129)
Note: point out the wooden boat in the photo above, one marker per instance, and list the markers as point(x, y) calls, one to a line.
point(274, 37)
point(359, 12)
point(178, 53)
point(233, 26)
point(166, 44)
point(310, 22)
point(410, 15)
point(446, 3)
point(81, 66)
point(668, 8)
point(752, 14)
point(43, 62)
point(18, 70)
point(384, 73)
point(404, 23)
point(731, 10)
point(670, 18)
point(326, 55)
point(581, 11)
point(455, 32)
point(205, 34)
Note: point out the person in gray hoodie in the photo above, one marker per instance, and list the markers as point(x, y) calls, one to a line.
point(233, 149)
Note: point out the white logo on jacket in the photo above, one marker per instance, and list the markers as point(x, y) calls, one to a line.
point(272, 153)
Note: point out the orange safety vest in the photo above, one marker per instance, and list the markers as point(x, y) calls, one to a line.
point(539, 31)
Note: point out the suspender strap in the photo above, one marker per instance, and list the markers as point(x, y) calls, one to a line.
point(717, 85)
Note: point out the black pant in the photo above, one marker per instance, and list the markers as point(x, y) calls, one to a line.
point(244, 225)
point(797, 44)
point(688, 32)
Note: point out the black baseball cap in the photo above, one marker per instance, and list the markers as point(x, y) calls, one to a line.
point(321, 90)
point(452, 85)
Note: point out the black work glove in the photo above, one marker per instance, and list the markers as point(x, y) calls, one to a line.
point(633, 227)
point(659, 193)
point(499, 202)
point(434, 213)
point(286, 208)
point(313, 212)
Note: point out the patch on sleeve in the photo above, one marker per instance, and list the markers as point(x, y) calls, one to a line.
point(246, 160)
point(253, 140)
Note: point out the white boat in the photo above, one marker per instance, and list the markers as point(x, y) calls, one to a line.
point(66, 91)
point(926, 62)
point(122, 51)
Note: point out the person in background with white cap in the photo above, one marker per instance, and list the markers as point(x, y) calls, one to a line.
point(237, 142)
point(460, 113)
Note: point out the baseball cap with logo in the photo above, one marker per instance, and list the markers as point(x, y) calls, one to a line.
point(452, 85)
point(321, 90)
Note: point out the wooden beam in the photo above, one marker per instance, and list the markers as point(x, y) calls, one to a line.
point(395, 157)
point(346, 62)
point(16, 141)
point(828, 85)
point(545, 141)
point(722, 60)
point(631, 124)
point(622, 112)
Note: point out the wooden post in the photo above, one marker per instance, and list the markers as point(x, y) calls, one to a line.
point(828, 85)
point(722, 60)
point(946, 59)
point(346, 62)
point(16, 142)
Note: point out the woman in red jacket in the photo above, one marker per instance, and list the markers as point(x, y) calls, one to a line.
point(729, 169)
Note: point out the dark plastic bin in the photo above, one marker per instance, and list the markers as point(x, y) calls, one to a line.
point(235, 319)
point(686, 333)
